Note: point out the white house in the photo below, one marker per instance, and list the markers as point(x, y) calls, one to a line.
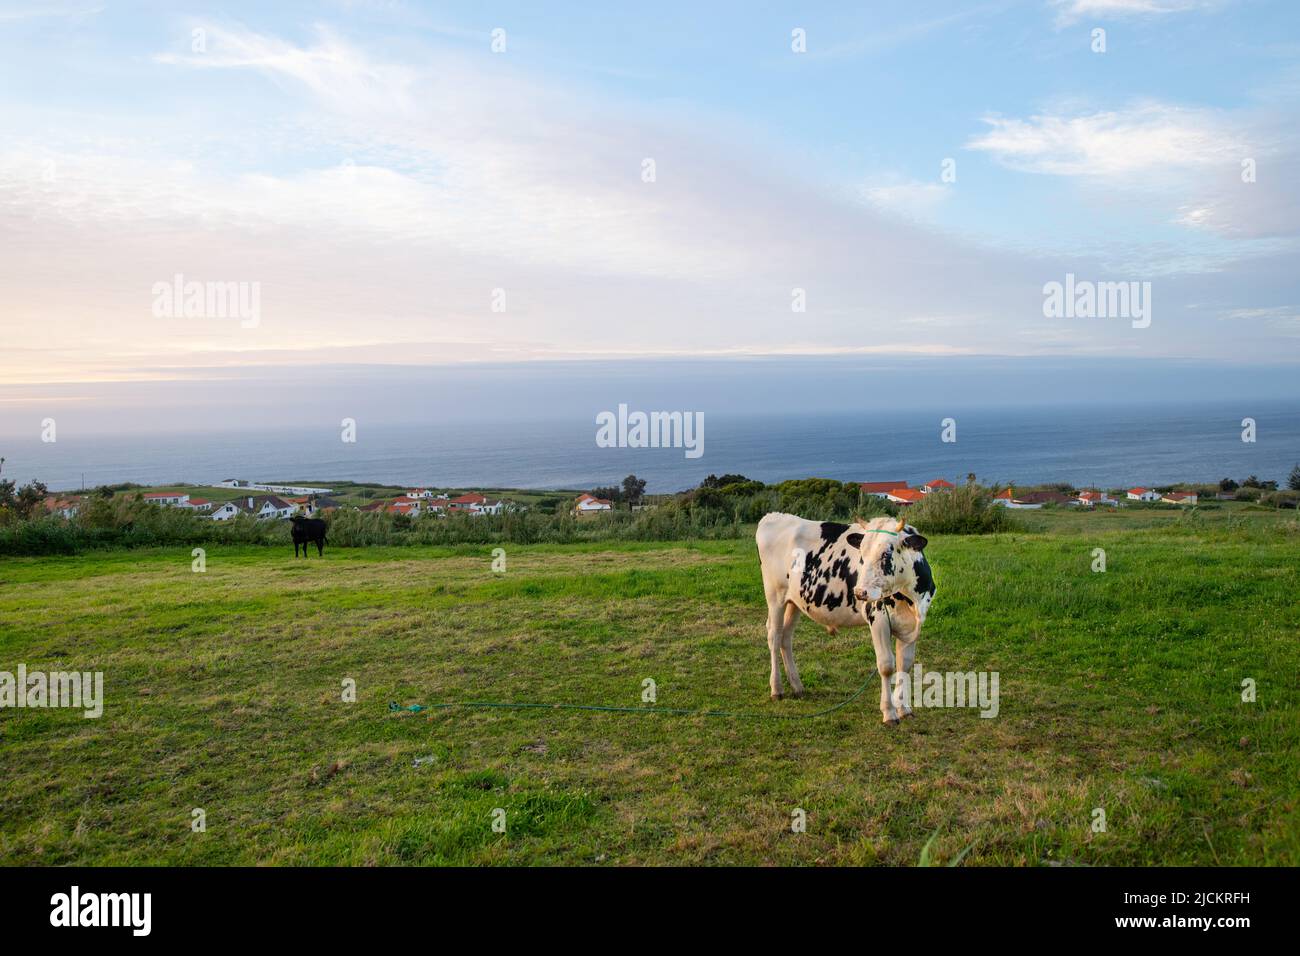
point(477, 504)
point(196, 504)
point(168, 499)
point(1143, 494)
point(1181, 498)
point(1007, 499)
point(270, 506)
point(419, 493)
point(587, 504)
point(228, 510)
point(275, 489)
point(263, 507)
point(1091, 498)
point(937, 485)
point(63, 507)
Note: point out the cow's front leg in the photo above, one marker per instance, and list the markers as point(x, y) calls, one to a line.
point(906, 655)
point(774, 649)
point(881, 639)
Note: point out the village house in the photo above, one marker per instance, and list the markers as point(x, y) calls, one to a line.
point(1181, 498)
point(310, 505)
point(1006, 497)
point(1090, 499)
point(419, 493)
point(588, 504)
point(903, 496)
point(227, 510)
point(1143, 494)
point(262, 507)
point(1040, 498)
point(937, 485)
point(197, 504)
point(168, 499)
point(63, 507)
point(274, 489)
point(880, 489)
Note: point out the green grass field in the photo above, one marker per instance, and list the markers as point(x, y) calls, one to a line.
point(1119, 690)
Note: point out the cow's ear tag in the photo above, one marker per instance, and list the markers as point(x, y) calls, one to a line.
point(855, 539)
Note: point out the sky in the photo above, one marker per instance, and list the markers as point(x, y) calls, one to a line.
point(480, 185)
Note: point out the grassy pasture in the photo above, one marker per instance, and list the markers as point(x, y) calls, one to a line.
point(1119, 690)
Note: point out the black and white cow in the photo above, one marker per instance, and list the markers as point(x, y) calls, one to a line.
point(870, 573)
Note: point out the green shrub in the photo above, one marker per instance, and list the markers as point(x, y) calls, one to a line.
point(964, 510)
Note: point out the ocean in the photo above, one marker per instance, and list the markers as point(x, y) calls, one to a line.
point(1106, 446)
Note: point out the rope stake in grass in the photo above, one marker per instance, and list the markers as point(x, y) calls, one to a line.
point(602, 708)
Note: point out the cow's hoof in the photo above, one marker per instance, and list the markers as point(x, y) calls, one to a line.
point(777, 696)
point(892, 723)
point(796, 694)
point(905, 715)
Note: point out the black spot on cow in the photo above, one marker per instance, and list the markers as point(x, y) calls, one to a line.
point(924, 579)
point(887, 562)
point(854, 539)
point(832, 531)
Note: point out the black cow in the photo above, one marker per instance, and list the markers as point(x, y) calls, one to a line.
point(305, 531)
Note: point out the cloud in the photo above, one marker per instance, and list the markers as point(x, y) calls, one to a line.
point(380, 202)
point(1191, 161)
point(1072, 11)
point(1144, 138)
point(912, 198)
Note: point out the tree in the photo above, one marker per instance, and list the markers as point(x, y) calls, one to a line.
point(1293, 481)
point(633, 489)
point(24, 501)
point(713, 481)
point(612, 493)
point(1227, 484)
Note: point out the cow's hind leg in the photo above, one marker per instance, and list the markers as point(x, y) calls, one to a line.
point(787, 649)
point(774, 649)
point(320, 547)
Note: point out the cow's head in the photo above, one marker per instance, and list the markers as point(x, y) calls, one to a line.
point(885, 553)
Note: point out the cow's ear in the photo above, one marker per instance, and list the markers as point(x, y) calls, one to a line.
point(854, 539)
point(915, 541)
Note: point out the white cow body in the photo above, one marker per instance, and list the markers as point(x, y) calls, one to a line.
point(870, 573)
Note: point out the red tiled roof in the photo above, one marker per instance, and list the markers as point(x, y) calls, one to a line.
point(906, 494)
point(1137, 491)
point(472, 498)
point(940, 483)
point(165, 494)
point(873, 487)
point(1005, 495)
